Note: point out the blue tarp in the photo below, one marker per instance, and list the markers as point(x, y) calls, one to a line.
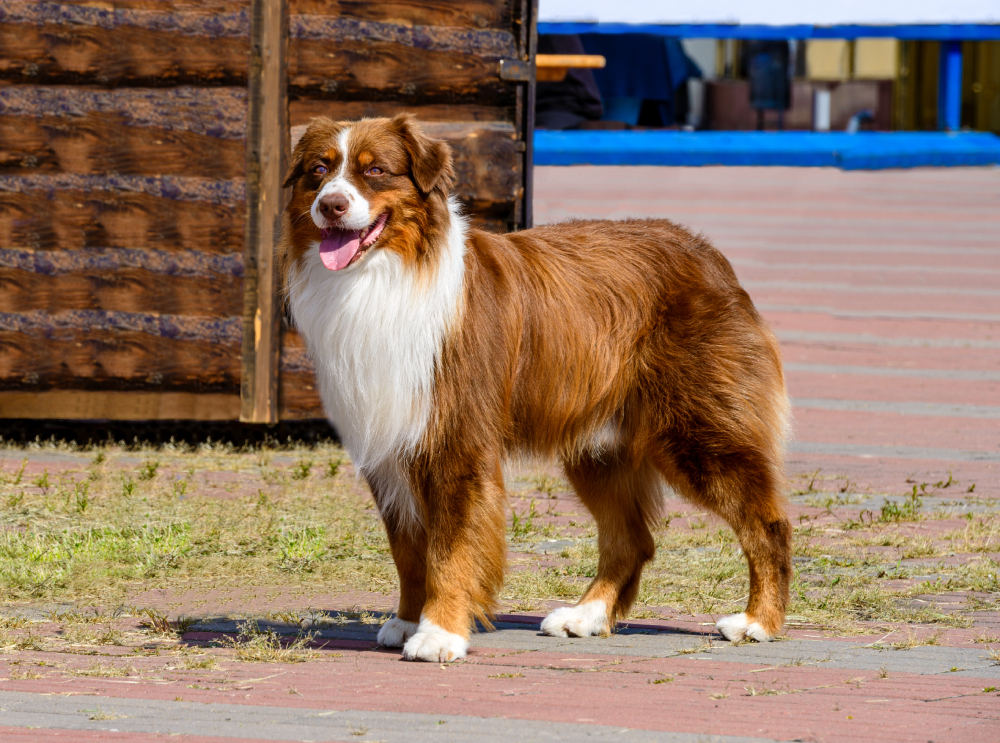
point(640, 67)
point(861, 151)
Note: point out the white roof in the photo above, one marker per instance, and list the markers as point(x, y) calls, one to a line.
point(772, 12)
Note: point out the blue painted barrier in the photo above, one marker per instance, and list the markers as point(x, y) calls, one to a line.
point(918, 31)
point(861, 151)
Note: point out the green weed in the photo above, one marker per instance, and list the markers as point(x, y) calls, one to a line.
point(148, 470)
point(302, 469)
point(523, 524)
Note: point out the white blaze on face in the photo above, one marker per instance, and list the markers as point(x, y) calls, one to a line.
point(358, 215)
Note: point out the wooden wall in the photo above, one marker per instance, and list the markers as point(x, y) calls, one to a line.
point(128, 271)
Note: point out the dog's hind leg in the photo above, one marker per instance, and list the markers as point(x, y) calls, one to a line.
point(743, 487)
point(465, 525)
point(623, 499)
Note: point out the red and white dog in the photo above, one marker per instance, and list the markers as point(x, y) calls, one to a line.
point(626, 349)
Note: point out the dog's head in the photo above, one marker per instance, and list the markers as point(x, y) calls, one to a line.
point(363, 186)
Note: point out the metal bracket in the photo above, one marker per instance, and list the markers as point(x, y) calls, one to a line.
point(516, 69)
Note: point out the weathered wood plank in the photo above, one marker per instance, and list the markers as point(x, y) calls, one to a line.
point(154, 45)
point(87, 349)
point(122, 290)
point(388, 71)
point(267, 157)
point(98, 405)
point(46, 212)
point(299, 398)
point(478, 14)
point(488, 159)
point(408, 52)
point(174, 131)
point(478, 42)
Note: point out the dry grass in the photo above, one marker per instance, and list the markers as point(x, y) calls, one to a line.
point(911, 640)
point(25, 675)
point(104, 670)
point(11, 642)
point(203, 662)
point(704, 647)
point(761, 691)
point(256, 646)
point(100, 714)
point(84, 635)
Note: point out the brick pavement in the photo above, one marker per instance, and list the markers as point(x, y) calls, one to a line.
point(885, 291)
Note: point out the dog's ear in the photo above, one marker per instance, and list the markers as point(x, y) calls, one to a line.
point(296, 168)
point(430, 159)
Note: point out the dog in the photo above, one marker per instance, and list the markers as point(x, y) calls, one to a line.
point(626, 349)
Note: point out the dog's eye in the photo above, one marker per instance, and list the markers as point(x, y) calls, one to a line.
point(374, 170)
point(320, 169)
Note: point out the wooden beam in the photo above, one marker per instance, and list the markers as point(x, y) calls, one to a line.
point(267, 157)
point(119, 406)
point(529, 35)
point(553, 68)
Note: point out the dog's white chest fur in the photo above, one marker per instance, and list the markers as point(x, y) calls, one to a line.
point(375, 331)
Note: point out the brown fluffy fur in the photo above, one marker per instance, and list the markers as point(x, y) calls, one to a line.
point(564, 328)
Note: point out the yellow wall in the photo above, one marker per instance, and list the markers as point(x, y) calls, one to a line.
point(876, 59)
point(828, 59)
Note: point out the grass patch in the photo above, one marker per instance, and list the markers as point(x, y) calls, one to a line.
point(12, 643)
point(533, 585)
point(100, 533)
point(193, 517)
point(254, 645)
point(200, 663)
point(912, 640)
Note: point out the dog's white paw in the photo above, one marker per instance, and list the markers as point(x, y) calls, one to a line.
point(737, 628)
point(434, 644)
point(395, 632)
point(582, 620)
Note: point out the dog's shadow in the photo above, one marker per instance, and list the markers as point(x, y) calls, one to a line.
point(329, 628)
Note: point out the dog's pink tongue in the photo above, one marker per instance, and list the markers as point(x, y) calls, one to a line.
point(338, 247)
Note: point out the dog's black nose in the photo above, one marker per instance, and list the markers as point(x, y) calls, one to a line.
point(334, 206)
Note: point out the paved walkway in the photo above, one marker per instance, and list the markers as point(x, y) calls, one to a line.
point(885, 291)
point(649, 682)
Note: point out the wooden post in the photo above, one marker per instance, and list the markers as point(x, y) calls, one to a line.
point(529, 36)
point(267, 158)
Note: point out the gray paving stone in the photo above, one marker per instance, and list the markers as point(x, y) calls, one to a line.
point(24, 709)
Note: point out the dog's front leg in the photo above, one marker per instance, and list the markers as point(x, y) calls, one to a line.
point(466, 553)
point(408, 543)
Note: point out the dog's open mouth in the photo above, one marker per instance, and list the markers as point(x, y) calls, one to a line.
point(341, 248)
